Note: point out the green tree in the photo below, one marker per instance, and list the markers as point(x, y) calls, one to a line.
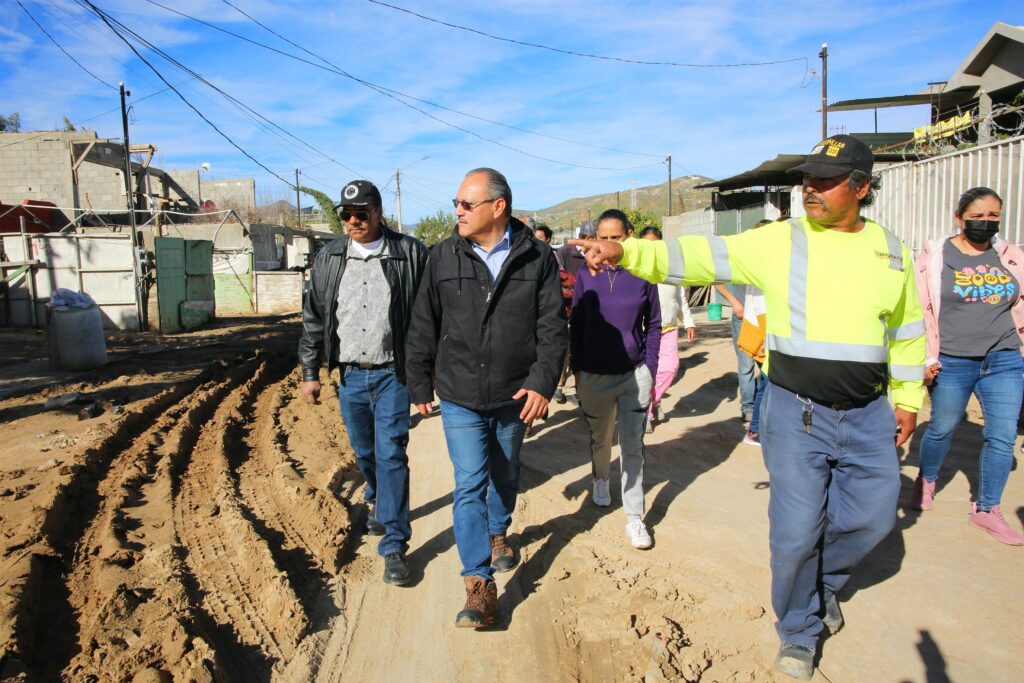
point(641, 218)
point(433, 229)
point(10, 123)
point(327, 207)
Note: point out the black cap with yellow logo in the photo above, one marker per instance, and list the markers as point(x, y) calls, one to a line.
point(835, 156)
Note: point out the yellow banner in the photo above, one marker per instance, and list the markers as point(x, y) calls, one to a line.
point(942, 129)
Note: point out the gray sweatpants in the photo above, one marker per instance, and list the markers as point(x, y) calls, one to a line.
point(627, 397)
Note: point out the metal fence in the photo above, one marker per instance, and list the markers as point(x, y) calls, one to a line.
point(917, 198)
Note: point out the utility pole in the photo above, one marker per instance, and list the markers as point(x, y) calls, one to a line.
point(618, 204)
point(824, 90)
point(398, 196)
point(140, 309)
point(632, 194)
point(669, 160)
point(298, 202)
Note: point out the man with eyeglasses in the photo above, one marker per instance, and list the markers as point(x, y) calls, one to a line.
point(488, 334)
point(355, 317)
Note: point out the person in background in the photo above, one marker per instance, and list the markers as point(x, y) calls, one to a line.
point(570, 260)
point(614, 338)
point(754, 313)
point(488, 333)
point(974, 317)
point(746, 369)
point(543, 233)
point(674, 311)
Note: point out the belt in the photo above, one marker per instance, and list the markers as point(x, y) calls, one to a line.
point(371, 366)
point(847, 405)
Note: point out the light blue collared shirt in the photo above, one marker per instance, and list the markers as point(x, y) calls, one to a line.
point(496, 257)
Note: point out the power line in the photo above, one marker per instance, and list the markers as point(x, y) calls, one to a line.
point(394, 94)
point(235, 101)
point(336, 69)
point(159, 75)
point(61, 48)
point(583, 54)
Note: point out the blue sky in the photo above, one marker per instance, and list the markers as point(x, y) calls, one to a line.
point(713, 121)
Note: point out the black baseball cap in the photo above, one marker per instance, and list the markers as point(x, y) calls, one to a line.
point(359, 193)
point(835, 156)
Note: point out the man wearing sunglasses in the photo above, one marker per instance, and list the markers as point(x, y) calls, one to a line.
point(356, 316)
point(488, 334)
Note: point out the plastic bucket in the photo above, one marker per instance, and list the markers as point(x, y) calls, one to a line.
point(714, 311)
point(76, 338)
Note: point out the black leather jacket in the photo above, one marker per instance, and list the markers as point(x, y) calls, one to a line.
point(407, 258)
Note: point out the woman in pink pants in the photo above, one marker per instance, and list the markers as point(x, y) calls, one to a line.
point(674, 310)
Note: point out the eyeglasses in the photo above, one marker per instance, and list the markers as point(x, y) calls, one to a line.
point(469, 206)
point(345, 214)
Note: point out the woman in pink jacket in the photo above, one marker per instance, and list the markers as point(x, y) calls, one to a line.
point(969, 286)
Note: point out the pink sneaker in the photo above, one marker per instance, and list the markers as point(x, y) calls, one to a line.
point(993, 522)
point(924, 494)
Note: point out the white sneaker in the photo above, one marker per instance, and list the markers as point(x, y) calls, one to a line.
point(638, 535)
point(602, 496)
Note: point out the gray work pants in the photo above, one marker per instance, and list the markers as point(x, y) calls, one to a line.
point(626, 397)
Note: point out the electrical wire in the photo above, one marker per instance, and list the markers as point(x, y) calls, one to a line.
point(397, 96)
point(235, 101)
point(339, 70)
point(177, 92)
point(61, 48)
point(584, 54)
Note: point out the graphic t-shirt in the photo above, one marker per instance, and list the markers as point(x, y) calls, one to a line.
point(977, 294)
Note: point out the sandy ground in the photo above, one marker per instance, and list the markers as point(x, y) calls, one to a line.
point(206, 526)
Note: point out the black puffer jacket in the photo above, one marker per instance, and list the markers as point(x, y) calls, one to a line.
point(404, 267)
point(478, 342)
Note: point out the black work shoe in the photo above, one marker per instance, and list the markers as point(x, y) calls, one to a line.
point(796, 661)
point(503, 557)
point(396, 569)
point(373, 527)
point(833, 617)
point(559, 396)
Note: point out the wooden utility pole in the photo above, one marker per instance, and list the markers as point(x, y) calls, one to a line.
point(669, 160)
point(298, 202)
point(398, 196)
point(140, 309)
point(824, 90)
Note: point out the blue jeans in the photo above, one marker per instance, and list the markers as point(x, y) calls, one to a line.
point(484, 450)
point(746, 369)
point(997, 380)
point(832, 499)
point(375, 407)
point(755, 416)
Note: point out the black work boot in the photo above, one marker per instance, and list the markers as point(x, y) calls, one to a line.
point(833, 617)
point(373, 527)
point(396, 569)
point(796, 661)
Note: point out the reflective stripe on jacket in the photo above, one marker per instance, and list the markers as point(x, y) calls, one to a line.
point(838, 303)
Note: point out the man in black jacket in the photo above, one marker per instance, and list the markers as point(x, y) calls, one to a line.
point(489, 334)
point(356, 316)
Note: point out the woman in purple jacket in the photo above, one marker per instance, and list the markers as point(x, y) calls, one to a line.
point(969, 286)
point(614, 339)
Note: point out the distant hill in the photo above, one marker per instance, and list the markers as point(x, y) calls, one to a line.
point(651, 198)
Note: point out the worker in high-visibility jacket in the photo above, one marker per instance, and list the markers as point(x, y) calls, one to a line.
point(844, 325)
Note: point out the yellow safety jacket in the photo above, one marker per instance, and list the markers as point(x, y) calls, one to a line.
point(843, 314)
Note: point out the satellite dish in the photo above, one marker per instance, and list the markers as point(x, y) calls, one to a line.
point(206, 166)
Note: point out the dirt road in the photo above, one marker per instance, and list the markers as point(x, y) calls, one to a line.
point(206, 526)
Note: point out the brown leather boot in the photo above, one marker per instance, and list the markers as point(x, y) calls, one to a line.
point(503, 558)
point(481, 603)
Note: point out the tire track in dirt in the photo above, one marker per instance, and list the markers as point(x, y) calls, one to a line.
point(258, 616)
point(45, 625)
